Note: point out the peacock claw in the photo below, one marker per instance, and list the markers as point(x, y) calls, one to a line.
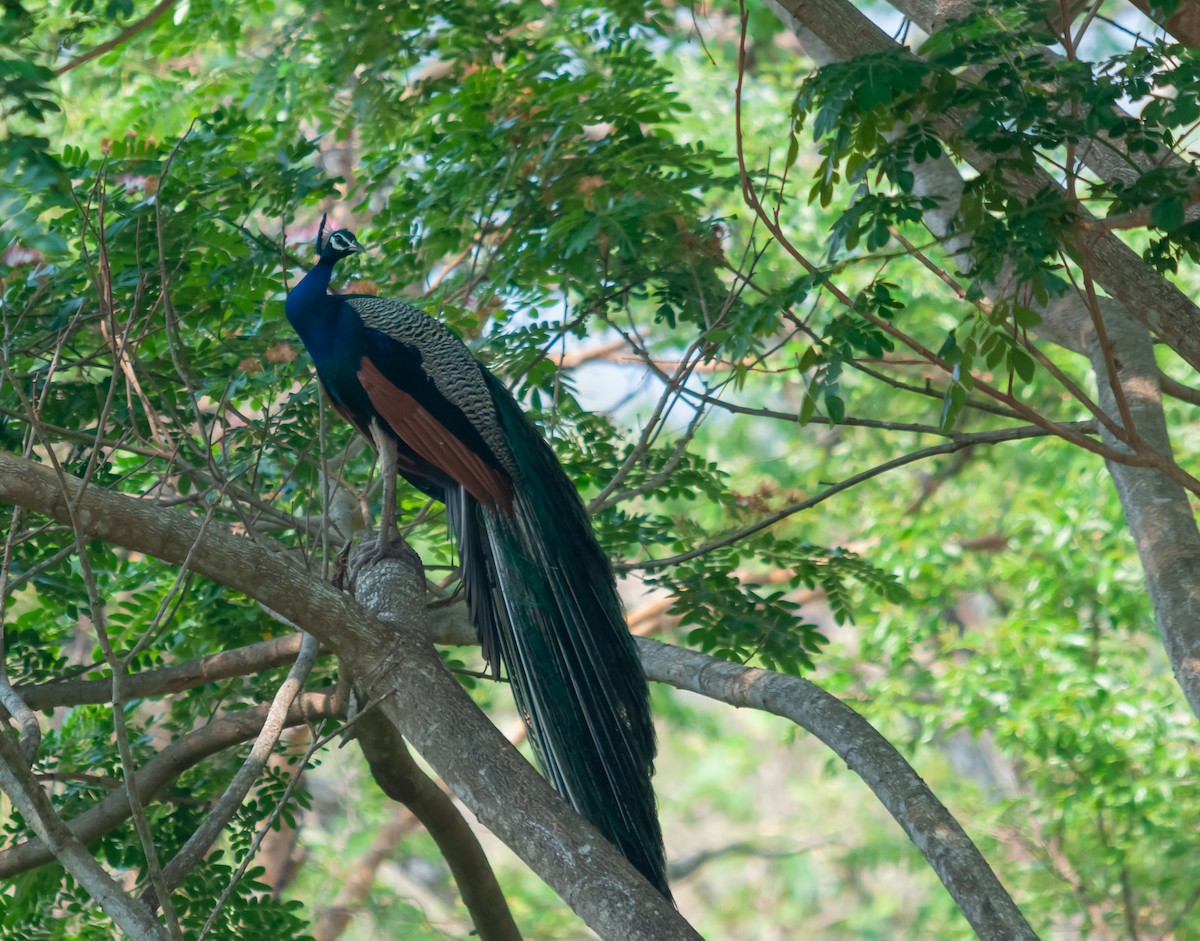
point(372, 550)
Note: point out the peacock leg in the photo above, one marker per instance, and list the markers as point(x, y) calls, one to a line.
point(385, 446)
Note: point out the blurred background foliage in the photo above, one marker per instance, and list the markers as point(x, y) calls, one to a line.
point(561, 184)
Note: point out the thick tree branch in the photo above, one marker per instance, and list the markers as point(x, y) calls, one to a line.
point(402, 672)
point(162, 769)
point(1158, 512)
point(1155, 302)
point(390, 586)
point(930, 826)
point(17, 780)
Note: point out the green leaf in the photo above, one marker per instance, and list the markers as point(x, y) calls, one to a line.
point(1167, 214)
point(808, 407)
point(1022, 363)
point(835, 407)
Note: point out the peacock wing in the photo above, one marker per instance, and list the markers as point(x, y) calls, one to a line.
point(432, 440)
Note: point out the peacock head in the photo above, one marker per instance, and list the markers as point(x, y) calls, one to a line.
point(338, 245)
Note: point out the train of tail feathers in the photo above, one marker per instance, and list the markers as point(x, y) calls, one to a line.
point(539, 589)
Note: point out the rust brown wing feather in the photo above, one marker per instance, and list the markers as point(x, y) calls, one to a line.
point(430, 439)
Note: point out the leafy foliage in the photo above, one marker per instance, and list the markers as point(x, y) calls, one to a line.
point(559, 182)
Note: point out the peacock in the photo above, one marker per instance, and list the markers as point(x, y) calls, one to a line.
point(538, 587)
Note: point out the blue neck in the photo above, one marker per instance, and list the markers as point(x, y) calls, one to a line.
point(307, 299)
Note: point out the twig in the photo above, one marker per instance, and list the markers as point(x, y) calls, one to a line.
point(34, 806)
point(199, 843)
point(960, 442)
point(1135, 218)
point(96, 605)
point(122, 37)
point(183, 753)
point(269, 823)
point(682, 868)
point(1092, 303)
point(31, 733)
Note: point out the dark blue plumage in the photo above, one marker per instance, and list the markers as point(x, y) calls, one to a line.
point(538, 586)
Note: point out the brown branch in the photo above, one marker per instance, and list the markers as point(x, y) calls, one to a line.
point(959, 442)
point(416, 697)
point(356, 886)
point(1141, 457)
point(96, 611)
point(953, 856)
point(31, 801)
point(1177, 389)
point(1183, 23)
point(949, 851)
point(183, 753)
point(1134, 219)
point(403, 673)
point(121, 38)
point(240, 661)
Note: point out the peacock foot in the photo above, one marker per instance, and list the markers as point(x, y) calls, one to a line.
point(371, 550)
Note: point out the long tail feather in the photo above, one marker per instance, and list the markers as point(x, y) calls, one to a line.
point(542, 595)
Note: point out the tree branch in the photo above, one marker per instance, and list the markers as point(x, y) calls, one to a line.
point(241, 661)
point(161, 770)
point(963, 870)
point(355, 889)
point(959, 443)
point(122, 37)
point(391, 586)
point(401, 671)
point(17, 780)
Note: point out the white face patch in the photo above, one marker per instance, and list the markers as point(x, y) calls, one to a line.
point(339, 242)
